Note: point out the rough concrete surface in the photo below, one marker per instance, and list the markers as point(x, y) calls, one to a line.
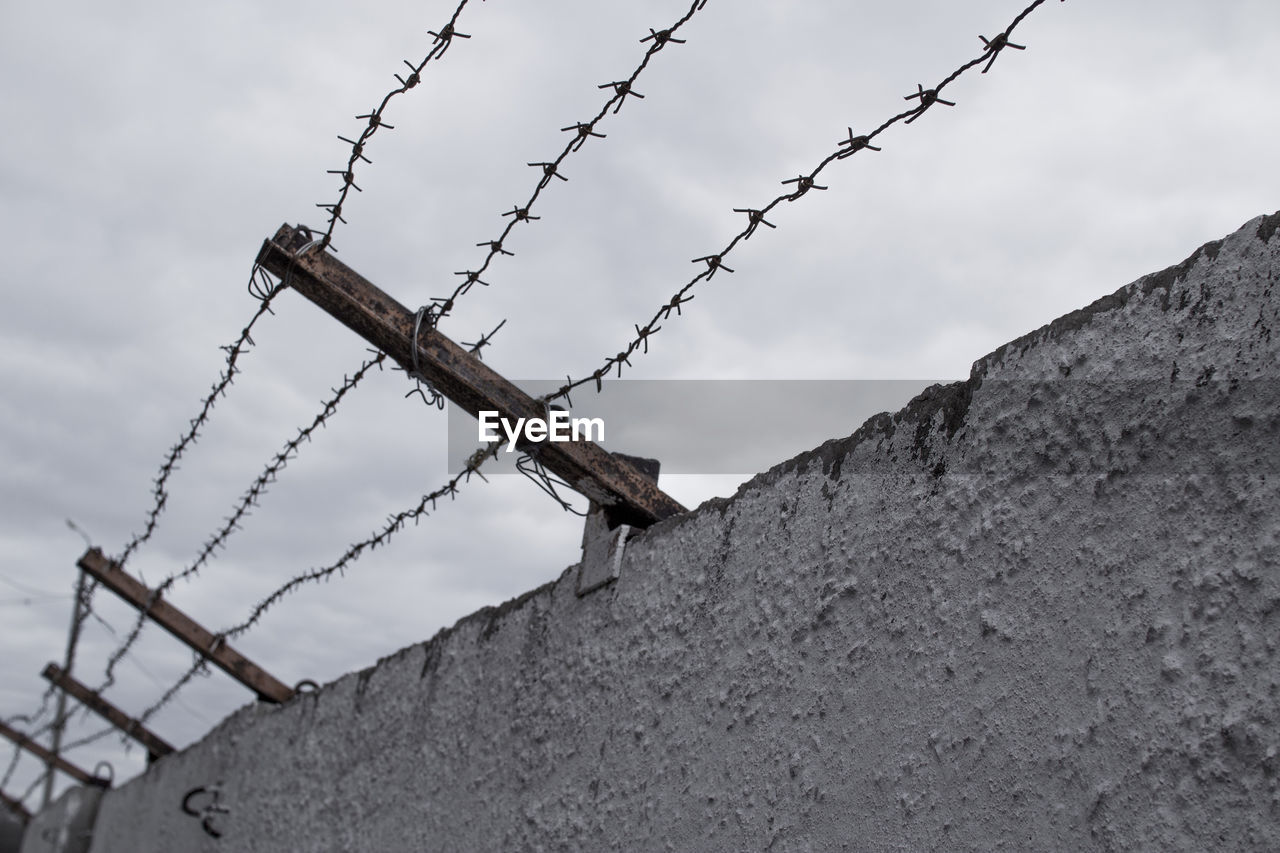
point(66, 826)
point(1037, 610)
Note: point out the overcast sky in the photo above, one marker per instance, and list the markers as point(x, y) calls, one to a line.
point(150, 147)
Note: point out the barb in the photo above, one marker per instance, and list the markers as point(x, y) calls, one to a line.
point(484, 341)
point(928, 97)
point(581, 132)
point(375, 120)
point(849, 146)
point(422, 385)
point(995, 45)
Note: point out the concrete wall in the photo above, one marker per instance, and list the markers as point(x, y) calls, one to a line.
point(1036, 610)
point(67, 825)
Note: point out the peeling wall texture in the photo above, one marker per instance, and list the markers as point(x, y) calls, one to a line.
point(1035, 610)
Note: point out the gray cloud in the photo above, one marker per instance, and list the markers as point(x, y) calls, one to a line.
point(151, 148)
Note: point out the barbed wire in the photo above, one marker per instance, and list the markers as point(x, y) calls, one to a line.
point(853, 144)
point(375, 121)
point(441, 307)
point(83, 609)
point(250, 499)
point(18, 752)
point(262, 286)
point(396, 522)
point(268, 475)
point(84, 709)
point(30, 720)
point(425, 505)
point(264, 290)
point(33, 733)
point(51, 690)
point(422, 385)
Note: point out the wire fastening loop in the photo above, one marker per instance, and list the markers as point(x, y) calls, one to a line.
point(431, 396)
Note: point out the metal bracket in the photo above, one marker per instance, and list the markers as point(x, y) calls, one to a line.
point(601, 553)
point(604, 540)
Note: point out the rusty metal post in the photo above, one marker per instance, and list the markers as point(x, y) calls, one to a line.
point(202, 641)
point(49, 759)
point(156, 747)
point(624, 492)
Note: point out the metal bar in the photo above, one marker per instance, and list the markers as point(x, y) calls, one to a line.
point(49, 758)
point(156, 747)
point(59, 715)
point(203, 642)
point(457, 374)
point(16, 807)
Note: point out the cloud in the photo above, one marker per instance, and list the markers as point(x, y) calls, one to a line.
point(156, 145)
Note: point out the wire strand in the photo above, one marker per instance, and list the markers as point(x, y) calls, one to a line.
point(803, 184)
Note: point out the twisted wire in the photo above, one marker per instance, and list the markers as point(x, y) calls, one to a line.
point(250, 499)
point(532, 468)
point(264, 291)
point(441, 307)
point(375, 121)
point(394, 524)
point(853, 144)
point(926, 98)
point(83, 609)
point(426, 504)
point(216, 541)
